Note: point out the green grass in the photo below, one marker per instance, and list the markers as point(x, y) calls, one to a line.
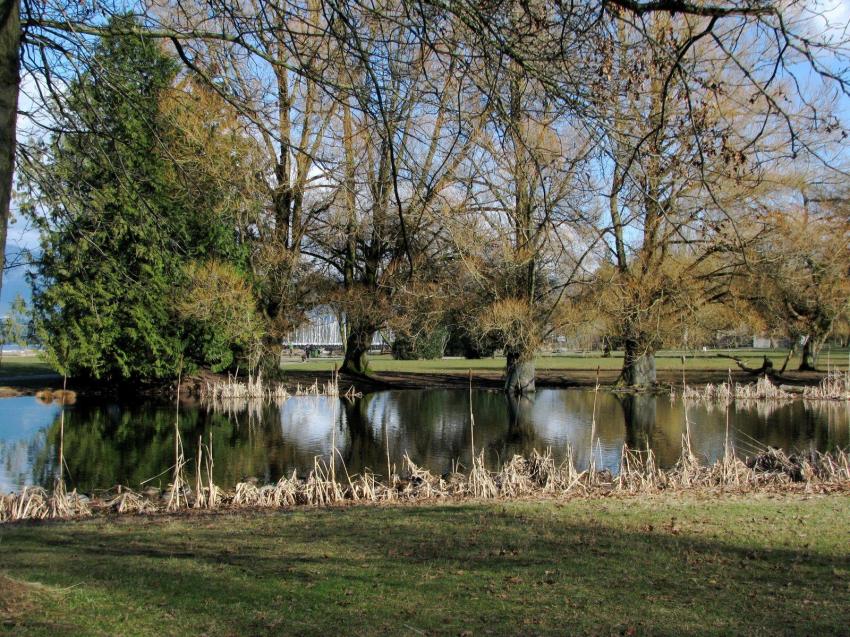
point(667, 359)
point(661, 565)
point(13, 366)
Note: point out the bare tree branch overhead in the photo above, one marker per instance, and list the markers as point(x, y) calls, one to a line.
point(562, 164)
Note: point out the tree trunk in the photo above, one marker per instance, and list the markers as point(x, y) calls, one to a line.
point(10, 41)
point(520, 422)
point(357, 347)
point(639, 411)
point(638, 365)
point(809, 358)
point(519, 375)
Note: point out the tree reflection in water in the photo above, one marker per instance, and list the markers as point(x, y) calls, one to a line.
point(109, 443)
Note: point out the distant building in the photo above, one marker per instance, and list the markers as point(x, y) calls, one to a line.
point(323, 329)
point(770, 342)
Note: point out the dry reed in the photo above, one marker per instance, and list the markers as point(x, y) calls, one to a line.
point(255, 387)
point(834, 386)
point(536, 475)
point(762, 389)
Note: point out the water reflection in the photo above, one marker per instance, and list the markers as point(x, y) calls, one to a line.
point(111, 443)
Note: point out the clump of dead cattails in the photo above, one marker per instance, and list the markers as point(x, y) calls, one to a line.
point(35, 503)
point(233, 388)
point(127, 501)
point(481, 483)
point(536, 475)
point(834, 386)
point(762, 389)
point(638, 472)
point(255, 387)
point(420, 482)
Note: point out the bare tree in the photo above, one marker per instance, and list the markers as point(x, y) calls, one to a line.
point(801, 269)
point(406, 124)
point(527, 232)
point(688, 149)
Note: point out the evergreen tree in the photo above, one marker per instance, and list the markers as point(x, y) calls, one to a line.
point(117, 227)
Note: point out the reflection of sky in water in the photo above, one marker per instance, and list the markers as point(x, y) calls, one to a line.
point(313, 424)
point(560, 422)
point(122, 443)
point(23, 425)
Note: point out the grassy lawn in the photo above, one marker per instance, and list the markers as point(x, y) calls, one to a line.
point(660, 565)
point(667, 359)
point(23, 366)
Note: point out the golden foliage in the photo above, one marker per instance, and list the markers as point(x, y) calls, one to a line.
point(217, 295)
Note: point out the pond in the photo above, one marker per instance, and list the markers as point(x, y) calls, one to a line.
point(110, 443)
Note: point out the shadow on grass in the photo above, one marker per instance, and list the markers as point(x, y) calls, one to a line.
point(490, 569)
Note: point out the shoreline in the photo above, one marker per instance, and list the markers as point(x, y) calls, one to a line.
point(403, 380)
point(535, 476)
point(789, 491)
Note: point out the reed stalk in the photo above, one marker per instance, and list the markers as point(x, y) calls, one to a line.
point(535, 475)
point(178, 479)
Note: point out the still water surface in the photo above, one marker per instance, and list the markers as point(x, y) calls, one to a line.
point(120, 443)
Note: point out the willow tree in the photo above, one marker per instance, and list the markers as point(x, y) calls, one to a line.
point(400, 141)
point(800, 282)
point(688, 148)
point(526, 232)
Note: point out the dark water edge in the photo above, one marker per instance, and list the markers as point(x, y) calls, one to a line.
point(108, 442)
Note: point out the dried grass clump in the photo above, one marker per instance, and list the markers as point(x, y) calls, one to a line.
point(421, 483)
point(283, 493)
point(722, 392)
point(536, 475)
point(545, 474)
point(638, 472)
point(35, 503)
point(514, 479)
point(762, 389)
point(67, 505)
point(218, 393)
point(253, 387)
point(835, 386)
point(319, 488)
point(481, 482)
point(368, 488)
point(127, 501)
point(32, 503)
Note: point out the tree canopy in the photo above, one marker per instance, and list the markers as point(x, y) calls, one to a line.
point(510, 172)
point(118, 228)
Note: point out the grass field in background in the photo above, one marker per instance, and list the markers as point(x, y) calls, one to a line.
point(13, 365)
point(20, 366)
point(667, 359)
point(655, 565)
